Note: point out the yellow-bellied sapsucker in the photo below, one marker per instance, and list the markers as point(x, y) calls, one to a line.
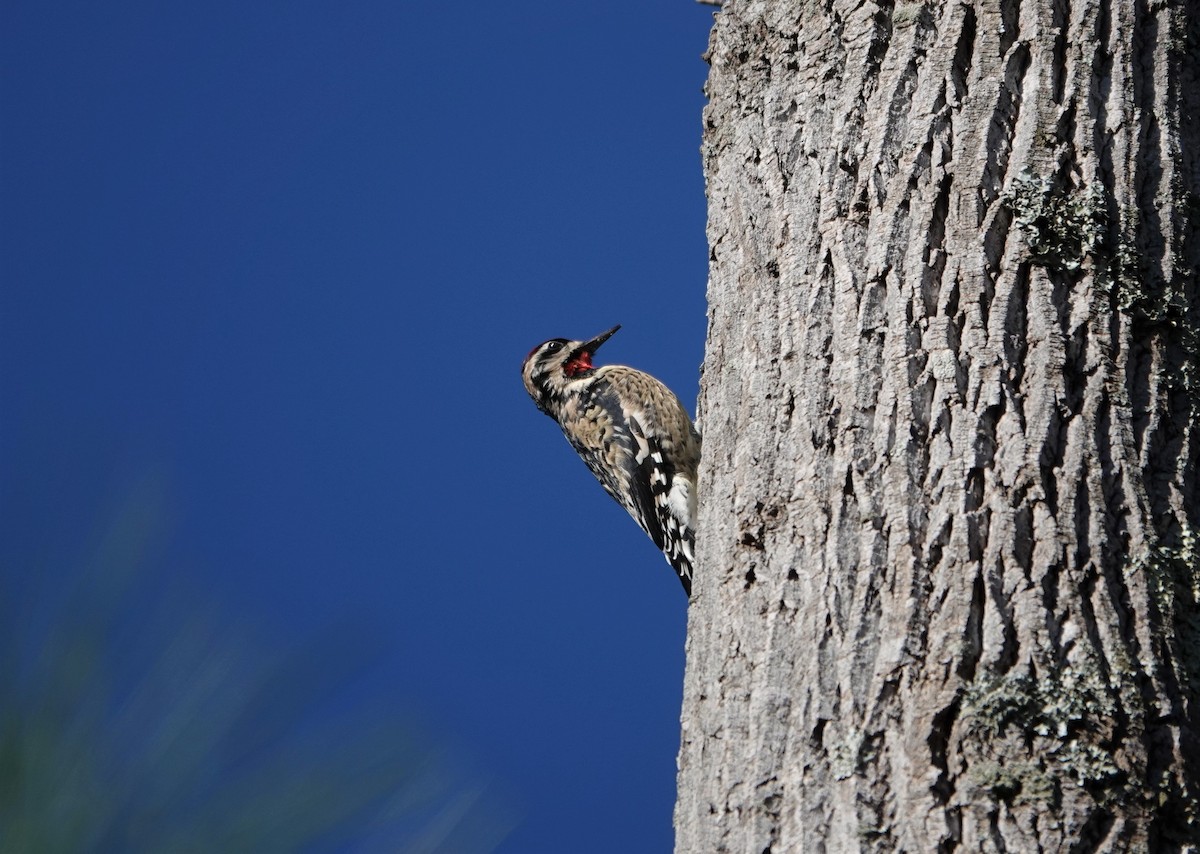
point(632, 432)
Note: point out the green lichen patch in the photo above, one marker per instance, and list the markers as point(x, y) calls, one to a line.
point(1064, 716)
point(1055, 705)
point(1067, 229)
point(1062, 228)
point(1172, 569)
point(1015, 783)
point(907, 14)
point(1173, 578)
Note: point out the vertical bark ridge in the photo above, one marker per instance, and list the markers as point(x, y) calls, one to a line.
point(949, 589)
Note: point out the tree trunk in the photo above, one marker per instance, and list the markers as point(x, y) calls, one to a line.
point(948, 593)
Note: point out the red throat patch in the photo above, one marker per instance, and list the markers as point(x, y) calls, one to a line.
point(578, 364)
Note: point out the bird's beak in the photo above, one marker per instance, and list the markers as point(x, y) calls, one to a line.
point(590, 347)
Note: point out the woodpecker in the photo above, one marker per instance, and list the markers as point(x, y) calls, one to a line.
point(632, 432)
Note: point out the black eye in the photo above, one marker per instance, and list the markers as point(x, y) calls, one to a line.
point(553, 346)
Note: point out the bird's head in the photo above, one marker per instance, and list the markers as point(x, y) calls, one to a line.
point(553, 365)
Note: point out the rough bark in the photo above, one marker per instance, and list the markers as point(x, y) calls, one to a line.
point(948, 582)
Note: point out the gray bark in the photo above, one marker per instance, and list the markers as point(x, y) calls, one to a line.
point(949, 537)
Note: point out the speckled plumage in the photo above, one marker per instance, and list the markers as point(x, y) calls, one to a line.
point(632, 432)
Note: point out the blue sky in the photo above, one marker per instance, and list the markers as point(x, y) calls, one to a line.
point(285, 259)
